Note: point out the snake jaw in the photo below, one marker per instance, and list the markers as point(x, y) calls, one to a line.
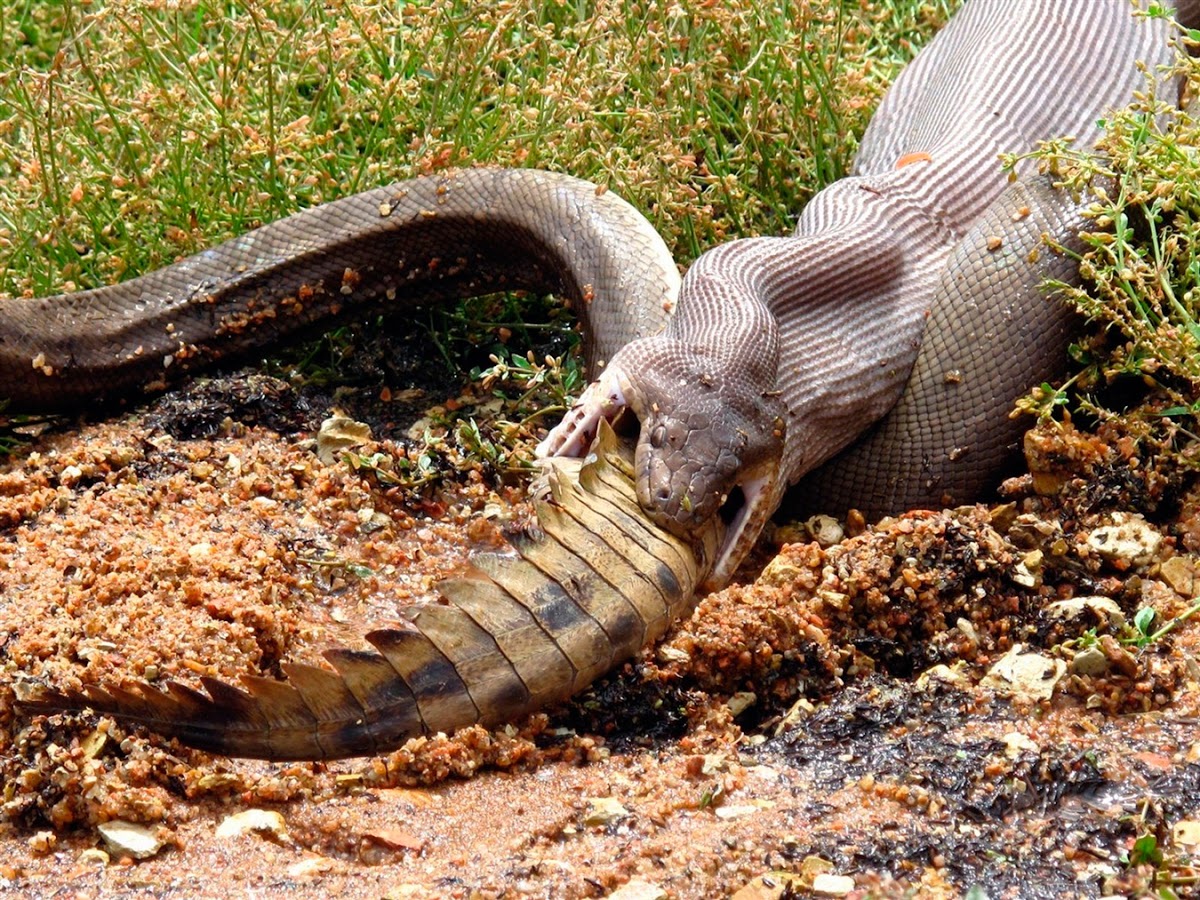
point(760, 494)
point(687, 466)
point(709, 444)
point(691, 471)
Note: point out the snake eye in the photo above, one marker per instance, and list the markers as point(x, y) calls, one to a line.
point(658, 436)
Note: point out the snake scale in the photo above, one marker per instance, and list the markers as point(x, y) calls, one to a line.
point(872, 356)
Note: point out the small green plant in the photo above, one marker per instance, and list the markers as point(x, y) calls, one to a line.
point(329, 566)
point(473, 441)
point(711, 796)
point(1045, 400)
point(411, 469)
point(1142, 623)
point(319, 361)
point(380, 466)
point(1163, 868)
point(549, 385)
point(1142, 634)
point(1088, 638)
point(1145, 851)
point(502, 432)
point(16, 431)
point(10, 438)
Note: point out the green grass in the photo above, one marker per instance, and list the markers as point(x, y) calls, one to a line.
point(135, 132)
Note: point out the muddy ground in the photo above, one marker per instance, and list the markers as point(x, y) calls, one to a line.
point(921, 709)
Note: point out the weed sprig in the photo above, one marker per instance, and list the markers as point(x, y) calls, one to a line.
point(1141, 260)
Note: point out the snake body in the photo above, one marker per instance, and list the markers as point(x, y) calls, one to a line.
point(909, 286)
point(905, 306)
point(461, 234)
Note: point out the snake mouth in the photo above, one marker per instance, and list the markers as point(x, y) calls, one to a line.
point(745, 510)
point(733, 509)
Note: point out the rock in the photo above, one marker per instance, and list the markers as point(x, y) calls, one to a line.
point(1186, 832)
point(200, 552)
point(1002, 517)
point(43, 842)
point(370, 520)
point(968, 630)
point(954, 676)
point(797, 713)
point(94, 743)
point(779, 572)
point(338, 433)
point(1119, 659)
point(712, 763)
point(130, 839)
point(395, 838)
point(407, 892)
point(1158, 763)
point(266, 822)
point(1180, 573)
point(1016, 743)
point(1128, 541)
point(1023, 577)
point(1028, 572)
point(828, 885)
point(1102, 609)
point(769, 886)
point(1089, 661)
point(638, 890)
point(812, 866)
point(1025, 675)
point(815, 875)
point(312, 867)
point(836, 599)
point(414, 797)
point(219, 781)
point(670, 655)
point(738, 811)
point(740, 702)
point(825, 530)
point(1031, 531)
point(604, 811)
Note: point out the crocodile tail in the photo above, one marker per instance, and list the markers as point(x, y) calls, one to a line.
point(587, 587)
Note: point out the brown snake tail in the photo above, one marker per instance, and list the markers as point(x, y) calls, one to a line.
point(594, 583)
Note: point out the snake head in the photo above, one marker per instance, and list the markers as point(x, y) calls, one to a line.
point(710, 440)
point(710, 443)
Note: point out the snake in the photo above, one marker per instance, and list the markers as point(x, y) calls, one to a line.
point(868, 361)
